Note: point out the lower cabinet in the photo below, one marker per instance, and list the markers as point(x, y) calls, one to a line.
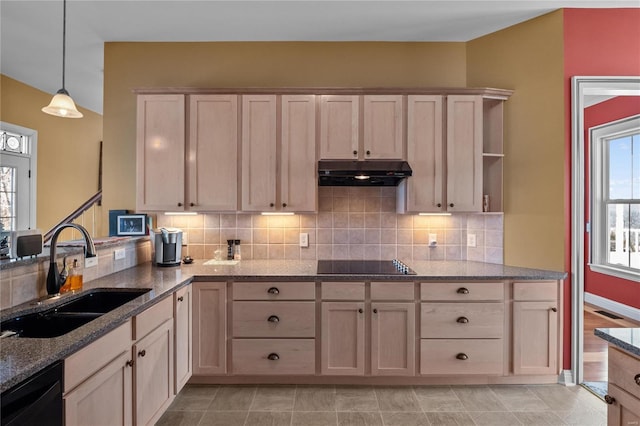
point(342, 338)
point(623, 394)
point(209, 328)
point(393, 339)
point(183, 331)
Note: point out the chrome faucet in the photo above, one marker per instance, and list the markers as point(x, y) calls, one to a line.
point(55, 280)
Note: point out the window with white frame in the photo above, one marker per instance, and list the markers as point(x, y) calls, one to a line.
point(615, 195)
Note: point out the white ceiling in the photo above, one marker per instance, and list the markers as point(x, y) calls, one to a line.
point(31, 31)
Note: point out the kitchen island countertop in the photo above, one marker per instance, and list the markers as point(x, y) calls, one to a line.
point(22, 357)
point(627, 339)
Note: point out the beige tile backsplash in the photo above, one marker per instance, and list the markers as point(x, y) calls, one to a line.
point(352, 223)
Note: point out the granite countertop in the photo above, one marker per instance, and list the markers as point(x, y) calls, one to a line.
point(627, 339)
point(22, 357)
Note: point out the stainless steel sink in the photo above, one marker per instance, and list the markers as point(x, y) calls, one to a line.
point(67, 317)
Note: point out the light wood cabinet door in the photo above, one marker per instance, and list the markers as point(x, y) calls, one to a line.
point(154, 374)
point(212, 148)
point(424, 190)
point(342, 338)
point(624, 408)
point(105, 398)
point(535, 337)
point(209, 328)
point(393, 339)
point(259, 139)
point(160, 153)
point(339, 127)
point(464, 153)
point(183, 327)
point(383, 127)
point(298, 175)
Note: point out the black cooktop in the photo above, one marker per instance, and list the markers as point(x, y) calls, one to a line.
point(364, 267)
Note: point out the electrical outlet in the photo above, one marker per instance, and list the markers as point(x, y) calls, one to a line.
point(90, 262)
point(185, 238)
point(119, 254)
point(471, 240)
point(433, 240)
point(304, 239)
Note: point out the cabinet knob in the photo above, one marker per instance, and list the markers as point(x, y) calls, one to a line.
point(355, 152)
point(142, 353)
point(180, 299)
point(637, 379)
point(273, 290)
point(554, 309)
point(360, 310)
point(273, 356)
point(192, 204)
point(451, 204)
point(284, 204)
point(273, 318)
point(439, 204)
point(462, 356)
point(271, 204)
point(609, 399)
point(463, 320)
point(130, 363)
point(463, 290)
point(179, 204)
point(375, 311)
point(368, 152)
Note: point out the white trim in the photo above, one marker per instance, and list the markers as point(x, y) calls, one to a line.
point(613, 306)
point(566, 378)
point(625, 274)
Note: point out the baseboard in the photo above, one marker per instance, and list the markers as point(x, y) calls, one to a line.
point(566, 378)
point(612, 306)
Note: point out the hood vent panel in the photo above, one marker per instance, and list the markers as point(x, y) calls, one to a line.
point(362, 173)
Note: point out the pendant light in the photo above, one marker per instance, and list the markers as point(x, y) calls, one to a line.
point(62, 105)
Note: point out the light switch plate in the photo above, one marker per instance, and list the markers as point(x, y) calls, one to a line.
point(90, 262)
point(471, 240)
point(119, 254)
point(304, 239)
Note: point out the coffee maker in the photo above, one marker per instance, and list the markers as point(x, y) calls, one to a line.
point(168, 246)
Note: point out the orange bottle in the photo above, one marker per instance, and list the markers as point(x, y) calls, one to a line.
point(66, 287)
point(75, 278)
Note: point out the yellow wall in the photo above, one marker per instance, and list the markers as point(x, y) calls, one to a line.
point(529, 59)
point(256, 64)
point(68, 150)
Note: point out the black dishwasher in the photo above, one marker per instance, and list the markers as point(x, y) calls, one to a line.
point(36, 400)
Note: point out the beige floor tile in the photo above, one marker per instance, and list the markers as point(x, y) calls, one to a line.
point(446, 402)
point(223, 418)
point(450, 419)
point(273, 398)
point(519, 398)
point(581, 417)
point(432, 391)
point(355, 391)
point(190, 403)
point(494, 418)
point(539, 418)
point(359, 419)
point(233, 398)
point(314, 418)
point(203, 391)
point(478, 398)
point(397, 399)
point(404, 419)
point(561, 398)
point(315, 398)
point(267, 418)
point(348, 403)
point(180, 418)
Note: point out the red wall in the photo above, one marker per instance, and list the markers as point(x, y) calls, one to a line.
point(597, 42)
point(617, 289)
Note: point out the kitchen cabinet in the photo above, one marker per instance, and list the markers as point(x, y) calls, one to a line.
point(342, 338)
point(209, 328)
point(536, 337)
point(624, 386)
point(393, 339)
point(383, 127)
point(187, 165)
point(278, 159)
point(183, 327)
point(339, 127)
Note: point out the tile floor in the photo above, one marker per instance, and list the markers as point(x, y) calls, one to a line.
point(385, 406)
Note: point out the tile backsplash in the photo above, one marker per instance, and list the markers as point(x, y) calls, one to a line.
point(352, 223)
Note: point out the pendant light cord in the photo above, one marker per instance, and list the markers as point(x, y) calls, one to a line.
point(64, 38)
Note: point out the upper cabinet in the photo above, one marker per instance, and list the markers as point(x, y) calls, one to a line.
point(194, 173)
point(379, 116)
point(279, 153)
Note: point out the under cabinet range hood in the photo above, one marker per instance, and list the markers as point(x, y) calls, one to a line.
point(362, 173)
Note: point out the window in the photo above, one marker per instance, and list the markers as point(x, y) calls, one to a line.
point(615, 206)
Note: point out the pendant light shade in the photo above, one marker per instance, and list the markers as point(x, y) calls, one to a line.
point(62, 105)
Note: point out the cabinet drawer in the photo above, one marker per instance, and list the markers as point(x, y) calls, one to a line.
point(622, 370)
point(343, 291)
point(82, 364)
point(274, 291)
point(462, 291)
point(535, 290)
point(392, 291)
point(294, 356)
point(462, 320)
point(274, 319)
point(440, 356)
point(152, 318)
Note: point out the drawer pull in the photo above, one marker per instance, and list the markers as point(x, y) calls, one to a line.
point(130, 363)
point(360, 310)
point(609, 399)
point(142, 353)
point(273, 357)
point(375, 311)
point(463, 320)
point(273, 290)
point(180, 299)
point(273, 318)
point(463, 290)
point(462, 356)
point(554, 309)
point(637, 379)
